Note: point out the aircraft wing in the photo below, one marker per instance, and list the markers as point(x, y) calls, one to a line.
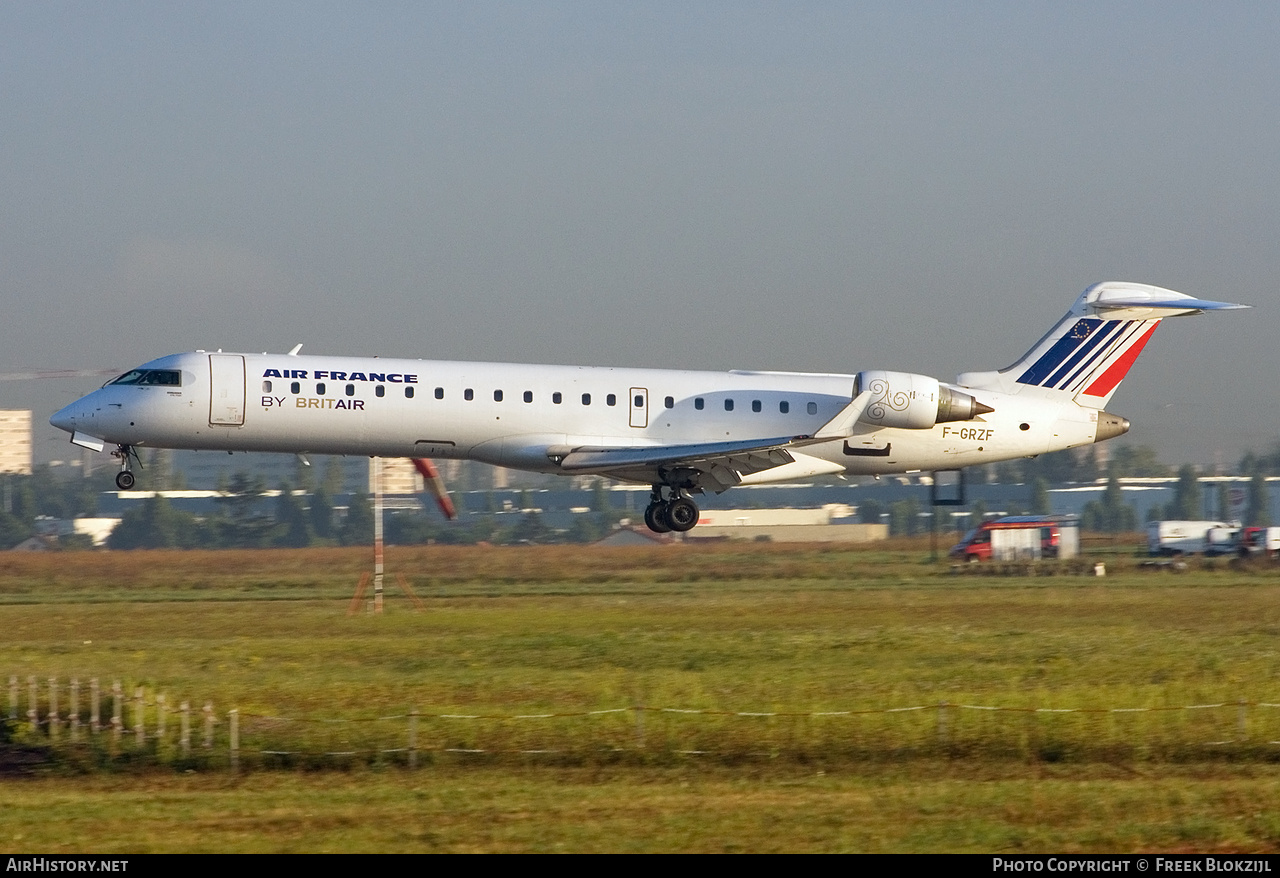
point(711, 466)
point(714, 466)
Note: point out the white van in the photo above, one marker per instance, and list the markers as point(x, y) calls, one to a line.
point(1186, 537)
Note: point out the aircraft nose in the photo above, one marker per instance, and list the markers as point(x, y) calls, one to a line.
point(65, 419)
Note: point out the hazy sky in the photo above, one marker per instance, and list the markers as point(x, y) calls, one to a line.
point(811, 186)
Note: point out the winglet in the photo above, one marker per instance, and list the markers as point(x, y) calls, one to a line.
point(294, 351)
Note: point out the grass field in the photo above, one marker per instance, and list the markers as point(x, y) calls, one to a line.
point(921, 806)
point(801, 632)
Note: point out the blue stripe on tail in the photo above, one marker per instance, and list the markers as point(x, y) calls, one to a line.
point(1061, 350)
point(1116, 340)
point(1094, 340)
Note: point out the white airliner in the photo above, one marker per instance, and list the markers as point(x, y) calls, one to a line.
point(682, 432)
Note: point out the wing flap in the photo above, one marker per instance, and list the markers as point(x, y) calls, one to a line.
point(753, 454)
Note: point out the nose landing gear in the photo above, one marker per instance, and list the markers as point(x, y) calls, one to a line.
point(676, 513)
point(125, 479)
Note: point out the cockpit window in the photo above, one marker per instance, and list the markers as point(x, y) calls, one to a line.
point(161, 377)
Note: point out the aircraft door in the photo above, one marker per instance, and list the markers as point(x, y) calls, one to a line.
point(639, 407)
point(226, 390)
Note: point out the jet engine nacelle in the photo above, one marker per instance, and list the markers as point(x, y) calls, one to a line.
point(912, 402)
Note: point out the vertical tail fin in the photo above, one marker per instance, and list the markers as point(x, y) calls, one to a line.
point(1090, 350)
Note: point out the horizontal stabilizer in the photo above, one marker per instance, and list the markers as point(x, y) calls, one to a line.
point(1178, 305)
point(1129, 301)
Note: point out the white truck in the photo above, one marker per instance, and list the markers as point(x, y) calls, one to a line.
point(1192, 537)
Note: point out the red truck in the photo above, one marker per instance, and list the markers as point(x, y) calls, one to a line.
point(976, 545)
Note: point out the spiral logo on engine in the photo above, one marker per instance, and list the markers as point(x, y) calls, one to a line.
point(884, 398)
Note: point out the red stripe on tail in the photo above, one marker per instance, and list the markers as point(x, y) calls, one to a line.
point(1115, 374)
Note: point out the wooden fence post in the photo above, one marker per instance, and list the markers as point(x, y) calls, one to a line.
point(53, 709)
point(139, 729)
point(234, 717)
point(208, 725)
point(95, 715)
point(160, 718)
point(186, 728)
point(75, 709)
point(117, 712)
point(33, 707)
point(413, 738)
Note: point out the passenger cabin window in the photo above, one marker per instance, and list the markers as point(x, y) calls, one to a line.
point(556, 397)
point(528, 396)
point(266, 386)
point(497, 396)
point(351, 390)
point(439, 393)
point(151, 377)
point(319, 390)
point(468, 394)
point(295, 387)
point(784, 406)
point(586, 399)
point(408, 393)
point(728, 405)
point(669, 402)
point(699, 402)
point(379, 391)
point(611, 399)
point(755, 405)
point(812, 408)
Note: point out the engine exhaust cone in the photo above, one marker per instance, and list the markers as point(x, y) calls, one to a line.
point(1110, 426)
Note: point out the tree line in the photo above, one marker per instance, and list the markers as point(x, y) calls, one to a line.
point(296, 516)
point(303, 512)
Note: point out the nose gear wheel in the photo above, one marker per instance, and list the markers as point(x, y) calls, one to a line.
point(125, 480)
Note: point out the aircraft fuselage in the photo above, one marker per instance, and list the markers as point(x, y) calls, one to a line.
point(682, 432)
point(512, 414)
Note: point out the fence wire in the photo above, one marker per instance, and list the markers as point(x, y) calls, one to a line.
point(131, 720)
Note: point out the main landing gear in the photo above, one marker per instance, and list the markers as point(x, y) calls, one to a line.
point(125, 479)
point(676, 513)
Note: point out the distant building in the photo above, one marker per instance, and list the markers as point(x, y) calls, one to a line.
point(833, 522)
point(399, 476)
point(15, 442)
